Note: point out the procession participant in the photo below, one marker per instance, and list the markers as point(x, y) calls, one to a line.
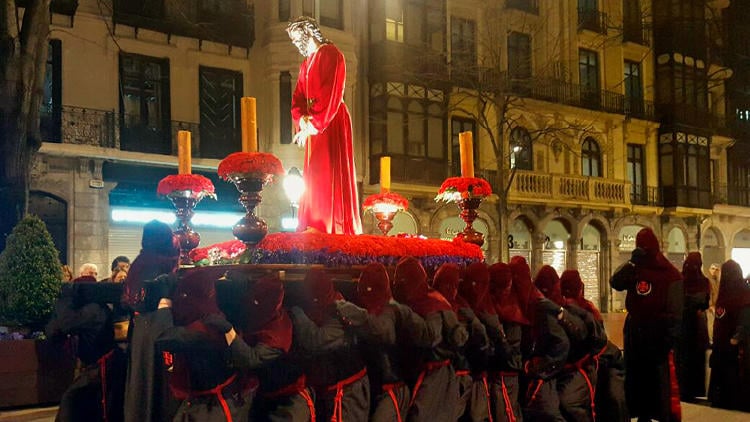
point(654, 302)
point(544, 346)
point(262, 348)
point(694, 340)
point(147, 396)
point(329, 203)
point(730, 361)
point(474, 353)
point(388, 331)
point(333, 364)
point(507, 364)
point(194, 352)
point(435, 386)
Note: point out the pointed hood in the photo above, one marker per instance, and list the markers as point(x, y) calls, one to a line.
point(528, 294)
point(548, 283)
point(571, 286)
point(374, 288)
point(321, 295)
point(410, 288)
point(446, 281)
point(503, 294)
point(475, 288)
point(692, 275)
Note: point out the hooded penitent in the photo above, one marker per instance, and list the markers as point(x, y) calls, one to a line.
point(475, 287)
point(654, 273)
point(548, 283)
point(692, 273)
point(572, 290)
point(528, 294)
point(268, 323)
point(503, 294)
point(734, 292)
point(374, 288)
point(321, 295)
point(195, 296)
point(446, 281)
point(410, 288)
point(160, 253)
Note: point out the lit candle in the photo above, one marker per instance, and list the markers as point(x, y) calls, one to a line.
point(385, 174)
point(466, 148)
point(183, 152)
point(249, 125)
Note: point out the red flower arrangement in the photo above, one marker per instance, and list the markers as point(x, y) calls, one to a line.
point(261, 165)
point(386, 200)
point(198, 186)
point(224, 251)
point(455, 189)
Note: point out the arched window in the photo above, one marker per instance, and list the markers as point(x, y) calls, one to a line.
point(591, 158)
point(520, 149)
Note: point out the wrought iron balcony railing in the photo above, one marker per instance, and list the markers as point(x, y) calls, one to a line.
point(529, 6)
point(593, 20)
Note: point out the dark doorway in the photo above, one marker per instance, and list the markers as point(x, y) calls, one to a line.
point(54, 212)
point(220, 93)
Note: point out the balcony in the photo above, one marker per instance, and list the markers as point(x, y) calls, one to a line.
point(411, 170)
point(636, 33)
point(233, 25)
point(687, 196)
point(731, 195)
point(528, 6)
point(556, 91)
point(528, 186)
point(645, 195)
point(100, 128)
point(63, 7)
point(592, 20)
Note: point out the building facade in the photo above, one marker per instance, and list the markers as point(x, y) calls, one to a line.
point(591, 118)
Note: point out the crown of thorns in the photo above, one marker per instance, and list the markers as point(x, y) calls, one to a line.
point(307, 25)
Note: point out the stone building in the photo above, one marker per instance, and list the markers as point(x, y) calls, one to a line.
point(591, 118)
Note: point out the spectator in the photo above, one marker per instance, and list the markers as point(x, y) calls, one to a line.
point(714, 274)
point(118, 275)
point(67, 273)
point(121, 263)
point(87, 273)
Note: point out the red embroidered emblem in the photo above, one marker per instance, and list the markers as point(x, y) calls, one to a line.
point(643, 288)
point(168, 359)
point(720, 312)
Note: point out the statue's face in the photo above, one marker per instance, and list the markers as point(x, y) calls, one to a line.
point(301, 40)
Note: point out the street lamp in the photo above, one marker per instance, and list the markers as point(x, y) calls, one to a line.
point(294, 187)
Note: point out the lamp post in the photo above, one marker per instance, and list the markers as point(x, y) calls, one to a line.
point(294, 187)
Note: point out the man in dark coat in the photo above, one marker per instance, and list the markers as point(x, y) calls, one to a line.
point(334, 366)
point(652, 328)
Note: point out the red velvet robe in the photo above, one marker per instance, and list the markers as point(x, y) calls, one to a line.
point(330, 202)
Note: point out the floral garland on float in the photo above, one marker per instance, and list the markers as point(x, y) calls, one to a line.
point(333, 250)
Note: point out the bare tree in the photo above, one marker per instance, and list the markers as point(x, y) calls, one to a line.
point(23, 56)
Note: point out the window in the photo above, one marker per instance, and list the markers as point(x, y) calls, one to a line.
point(285, 110)
point(220, 91)
point(415, 128)
point(51, 108)
point(144, 104)
point(284, 10)
point(636, 174)
point(685, 169)
point(463, 44)
point(633, 88)
point(632, 22)
point(591, 158)
point(394, 20)
point(521, 151)
point(589, 16)
point(459, 125)
point(327, 12)
point(519, 55)
point(588, 70)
